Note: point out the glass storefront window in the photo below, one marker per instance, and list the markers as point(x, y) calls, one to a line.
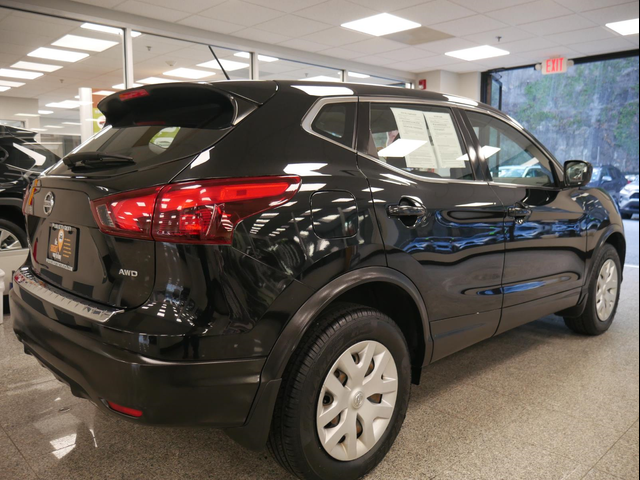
point(589, 113)
point(53, 72)
point(272, 68)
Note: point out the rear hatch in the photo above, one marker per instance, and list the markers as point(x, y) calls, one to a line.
point(151, 134)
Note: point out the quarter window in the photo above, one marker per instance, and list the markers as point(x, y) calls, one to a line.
point(511, 156)
point(419, 139)
point(336, 122)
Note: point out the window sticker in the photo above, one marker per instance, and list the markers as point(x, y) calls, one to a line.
point(411, 126)
point(445, 140)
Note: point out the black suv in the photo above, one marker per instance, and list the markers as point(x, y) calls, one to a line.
point(283, 259)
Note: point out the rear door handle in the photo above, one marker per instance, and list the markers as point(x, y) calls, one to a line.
point(406, 210)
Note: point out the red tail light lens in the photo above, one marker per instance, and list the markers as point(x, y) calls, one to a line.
point(196, 212)
point(27, 201)
point(127, 214)
point(140, 92)
point(132, 412)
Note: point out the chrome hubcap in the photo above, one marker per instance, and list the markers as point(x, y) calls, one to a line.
point(357, 400)
point(8, 241)
point(606, 290)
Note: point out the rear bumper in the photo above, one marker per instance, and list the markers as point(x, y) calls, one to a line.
point(218, 394)
point(629, 205)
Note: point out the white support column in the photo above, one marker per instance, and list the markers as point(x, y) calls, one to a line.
point(255, 66)
point(343, 75)
point(85, 96)
point(127, 52)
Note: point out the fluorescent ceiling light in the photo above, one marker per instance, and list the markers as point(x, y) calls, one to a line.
point(626, 27)
point(477, 53)
point(106, 29)
point(401, 148)
point(121, 86)
point(27, 115)
point(358, 75)
point(154, 80)
point(8, 72)
point(45, 112)
point(84, 43)
point(66, 104)
point(318, 91)
point(53, 126)
point(320, 78)
point(229, 65)
point(262, 58)
point(189, 73)
point(55, 54)
point(104, 93)
point(4, 89)
point(7, 83)
point(382, 24)
point(38, 67)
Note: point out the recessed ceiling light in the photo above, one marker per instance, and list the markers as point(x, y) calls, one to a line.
point(53, 126)
point(190, 73)
point(38, 67)
point(84, 43)
point(7, 83)
point(8, 72)
point(358, 75)
point(381, 24)
point(106, 29)
point(66, 104)
point(55, 54)
point(477, 53)
point(320, 78)
point(121, 86)
point(4, 89)
point(27, 115)
point(229, 65)
point(626, 27)
point(154, 80)
point(45, 112)
point(262, 58)
point(103, 93)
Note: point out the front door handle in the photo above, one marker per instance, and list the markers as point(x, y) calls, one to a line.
point(406, 210)
point(519, 213)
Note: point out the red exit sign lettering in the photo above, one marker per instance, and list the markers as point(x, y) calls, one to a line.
point(554, 65)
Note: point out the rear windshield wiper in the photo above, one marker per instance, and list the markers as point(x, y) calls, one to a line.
point(89, 159)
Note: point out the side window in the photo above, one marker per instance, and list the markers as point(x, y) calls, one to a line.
point(511, 156)
point(336, 121)
point(420, 139)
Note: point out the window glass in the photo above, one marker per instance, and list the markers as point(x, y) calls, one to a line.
point(511, 156)
point(336, 122)
point(419, 139)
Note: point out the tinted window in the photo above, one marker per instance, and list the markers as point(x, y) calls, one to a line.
point(511, 156)
point(336, 122)
point(419, 139)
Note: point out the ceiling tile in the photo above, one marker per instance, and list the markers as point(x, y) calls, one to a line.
point(386, 6)
point(603, 46)
point(580, 36)
point(143, 9)
point(211, 24)
point(302, 44)
point(336, 12)
point(534, 43)
point(586, 5)
point(530, 12)
point(448, 45)
point(406, 54)
point(292, 26)
point(470, 25)
point(261, 35)
point(101, 3)
point(435, 62)
point(341, 53)
point(375, 45)
point(434, 12)
point(189, 6)
point(488, 5)
point(337, 36)
point(375, 60)
point(243, 13)
point(565, 23)
point(287, 6)
point(465, 67)
point(613, 14)
point(509, 34)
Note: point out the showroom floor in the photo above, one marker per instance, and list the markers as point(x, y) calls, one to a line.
point(535, 403)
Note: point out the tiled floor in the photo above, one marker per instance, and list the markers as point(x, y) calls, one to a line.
point(535, 403)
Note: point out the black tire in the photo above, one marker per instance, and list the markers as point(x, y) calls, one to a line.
point(16, 230)
point(293, 439)
point(588, 323)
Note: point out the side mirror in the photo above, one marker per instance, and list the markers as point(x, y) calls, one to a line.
point(577, 173)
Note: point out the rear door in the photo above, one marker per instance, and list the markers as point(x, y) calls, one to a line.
point(441, 222)
point(545, 231)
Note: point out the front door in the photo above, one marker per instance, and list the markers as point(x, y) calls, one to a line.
point(441, 223)
point(545, 234)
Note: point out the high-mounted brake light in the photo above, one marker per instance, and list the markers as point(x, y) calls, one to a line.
point(140, 92)
point(207, 211)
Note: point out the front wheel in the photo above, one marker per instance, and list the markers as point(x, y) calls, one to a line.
point(344, 396)
point(604, 293)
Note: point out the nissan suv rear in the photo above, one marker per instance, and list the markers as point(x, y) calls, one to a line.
point(282, 259)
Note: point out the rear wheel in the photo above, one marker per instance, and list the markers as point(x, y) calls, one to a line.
point(344, 396)
point(604, 293)
point(12, 237)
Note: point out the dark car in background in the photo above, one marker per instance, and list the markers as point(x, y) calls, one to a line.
point(283, 259)
point(608, 178)
point(628, 199)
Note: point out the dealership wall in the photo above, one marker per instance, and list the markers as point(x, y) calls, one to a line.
point(463, 84)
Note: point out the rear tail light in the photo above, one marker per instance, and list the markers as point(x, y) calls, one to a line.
point(195, 212)
point(27, 201)
point(132, 412)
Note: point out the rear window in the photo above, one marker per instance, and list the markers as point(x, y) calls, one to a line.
point(336, 122)
point(164, 123)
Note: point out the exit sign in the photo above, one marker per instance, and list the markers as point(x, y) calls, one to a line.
point(554, 65)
